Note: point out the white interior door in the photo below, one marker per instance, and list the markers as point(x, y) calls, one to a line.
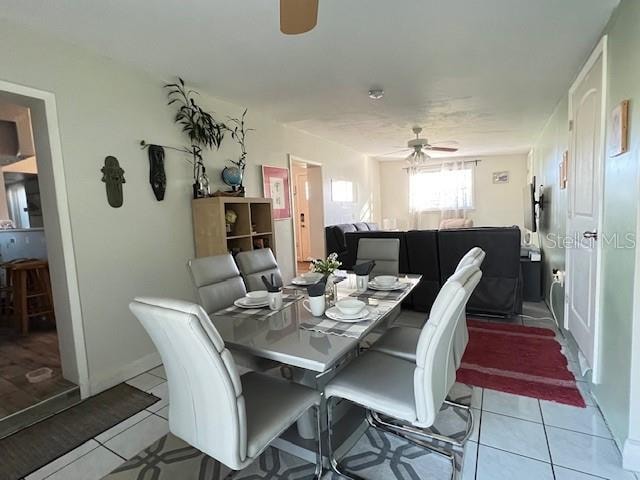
point(586, 151)
point(301, 198)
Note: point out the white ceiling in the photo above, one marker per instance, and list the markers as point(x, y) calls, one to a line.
point(486, 73)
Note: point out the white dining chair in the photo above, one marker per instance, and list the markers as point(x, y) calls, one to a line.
point(409, 393)
point(230, 418)
point(253, 264)
point(403, 341)
point(475, 257)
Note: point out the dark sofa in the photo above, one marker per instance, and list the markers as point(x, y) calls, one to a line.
point(434, 254)
point(335, 240)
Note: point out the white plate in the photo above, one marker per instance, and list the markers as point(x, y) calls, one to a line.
point(397, 286)
point(334, 314)
point(243, 303)
point(305, 281)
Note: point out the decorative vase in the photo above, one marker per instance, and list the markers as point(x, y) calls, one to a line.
point(331, 290)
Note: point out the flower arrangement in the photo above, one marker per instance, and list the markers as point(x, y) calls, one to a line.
point(326, 266)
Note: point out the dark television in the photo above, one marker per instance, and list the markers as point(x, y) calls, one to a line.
point(529, 197)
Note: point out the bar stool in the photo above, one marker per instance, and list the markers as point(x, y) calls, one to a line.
point(30, 287)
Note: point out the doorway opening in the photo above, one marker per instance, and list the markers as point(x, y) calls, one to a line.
point(308, 212)
point(42, 358)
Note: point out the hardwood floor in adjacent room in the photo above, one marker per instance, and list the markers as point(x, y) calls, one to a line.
point(20, 355)
point(303, 267)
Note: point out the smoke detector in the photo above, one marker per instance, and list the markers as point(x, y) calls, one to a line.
point(376, 93)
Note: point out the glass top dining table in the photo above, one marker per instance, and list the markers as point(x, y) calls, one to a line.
point(280, 336)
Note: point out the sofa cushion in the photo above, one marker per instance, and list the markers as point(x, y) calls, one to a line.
point(373, 226)
point(361, 227)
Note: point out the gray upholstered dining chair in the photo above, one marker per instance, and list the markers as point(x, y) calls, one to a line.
point(410, 393)
point(217, 281)
point(232, 419)
point(403, 341)
point(255, 263)
point(385, 252)
point(218, 284)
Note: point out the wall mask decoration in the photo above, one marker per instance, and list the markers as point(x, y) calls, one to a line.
point(157, 175)
point(113, 177)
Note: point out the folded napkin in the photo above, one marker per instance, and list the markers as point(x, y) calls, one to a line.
point(275, 285)
point(318, 289)
point(364, 268)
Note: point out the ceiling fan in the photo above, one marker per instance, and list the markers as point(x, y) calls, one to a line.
point(417, 147)
point(298, 16)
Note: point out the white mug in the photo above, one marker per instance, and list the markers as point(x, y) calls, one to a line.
point(362, 283)
point(315, 305)
point(275, 300)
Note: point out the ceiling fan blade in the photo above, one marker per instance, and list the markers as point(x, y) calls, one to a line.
point(298, 16)
point(445, 143)
point(393, 153)
point(441, 149)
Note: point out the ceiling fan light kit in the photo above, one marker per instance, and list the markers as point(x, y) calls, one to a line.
point(298, 16)
point(376, 93)
point(417, 146)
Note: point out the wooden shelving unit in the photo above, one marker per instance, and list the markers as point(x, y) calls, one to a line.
point(253, 228)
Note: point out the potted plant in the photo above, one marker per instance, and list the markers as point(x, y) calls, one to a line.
point(201, 128)
point(234, 176)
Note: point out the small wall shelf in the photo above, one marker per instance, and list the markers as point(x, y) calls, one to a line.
point(253, 228)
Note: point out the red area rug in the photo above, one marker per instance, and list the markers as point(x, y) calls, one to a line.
point(521, 360)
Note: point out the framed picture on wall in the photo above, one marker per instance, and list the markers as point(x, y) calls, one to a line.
point(564, 166)
point(276, 186)
point(501, 177)
point(618, 133)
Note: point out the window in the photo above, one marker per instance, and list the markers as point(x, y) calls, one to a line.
point(342, 191)
point(441, 190)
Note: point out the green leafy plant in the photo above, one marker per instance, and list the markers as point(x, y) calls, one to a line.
point(239, 134)
point(326, 266)
point(199, 125)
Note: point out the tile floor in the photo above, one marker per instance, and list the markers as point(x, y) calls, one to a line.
point(515, 438)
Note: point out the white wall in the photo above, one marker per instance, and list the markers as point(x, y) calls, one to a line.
point(105, 108)
point(495, 204)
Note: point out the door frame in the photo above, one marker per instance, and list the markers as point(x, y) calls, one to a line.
point(293, 158)
point(631, 447)
point(72, 305)
point(600, 50)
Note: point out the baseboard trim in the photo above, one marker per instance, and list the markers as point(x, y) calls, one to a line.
point(111, 379)
point(631, 455)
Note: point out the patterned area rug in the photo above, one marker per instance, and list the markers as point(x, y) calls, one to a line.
point(516, 359)
point(377, 455)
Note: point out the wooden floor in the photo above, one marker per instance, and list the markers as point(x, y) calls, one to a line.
point(19, 355)
point(303, 267)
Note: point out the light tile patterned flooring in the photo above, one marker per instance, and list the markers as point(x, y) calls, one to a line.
point(514, 437)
